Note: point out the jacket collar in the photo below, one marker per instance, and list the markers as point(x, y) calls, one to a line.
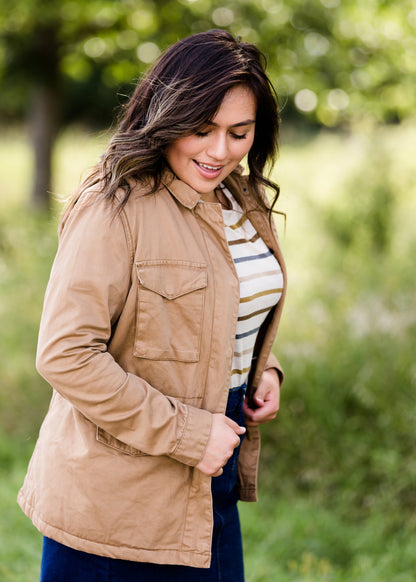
point(189, 197)
point(183, 193)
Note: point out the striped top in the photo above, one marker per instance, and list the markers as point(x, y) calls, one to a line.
point(261, 285)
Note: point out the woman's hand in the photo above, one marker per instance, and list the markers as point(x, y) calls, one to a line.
point(266, 399)
point(221, 444)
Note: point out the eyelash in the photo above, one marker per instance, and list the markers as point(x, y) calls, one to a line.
point(234, 135)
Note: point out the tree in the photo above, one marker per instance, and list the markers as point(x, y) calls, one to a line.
point(332, 62)
point(42, 43)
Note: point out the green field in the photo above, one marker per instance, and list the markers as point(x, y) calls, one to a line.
point(338, 470)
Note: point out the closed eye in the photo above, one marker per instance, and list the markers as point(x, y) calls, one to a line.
point(233, 135)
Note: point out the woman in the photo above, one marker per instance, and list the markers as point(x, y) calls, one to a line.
point(159, 318)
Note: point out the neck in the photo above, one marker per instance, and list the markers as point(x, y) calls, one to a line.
point(216, 196)
point(209, 197)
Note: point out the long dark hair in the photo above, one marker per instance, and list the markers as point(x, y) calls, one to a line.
point(179, 94)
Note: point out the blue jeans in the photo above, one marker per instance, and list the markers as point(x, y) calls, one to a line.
point(63, 564)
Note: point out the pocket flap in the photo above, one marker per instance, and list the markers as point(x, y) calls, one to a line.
point(172, 279)
point(107, 439)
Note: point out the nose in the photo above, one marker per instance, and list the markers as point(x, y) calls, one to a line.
point(218, 147)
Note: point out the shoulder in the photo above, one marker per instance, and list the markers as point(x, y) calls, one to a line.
point(92, 201)
point(91, 220)
point(88, 205)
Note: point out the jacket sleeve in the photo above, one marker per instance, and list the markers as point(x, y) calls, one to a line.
point(273, 362)
point(88, 287)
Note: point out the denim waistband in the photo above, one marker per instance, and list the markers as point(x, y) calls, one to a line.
point(235, 399)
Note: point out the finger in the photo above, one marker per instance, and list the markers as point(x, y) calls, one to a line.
point(263, 396)
point(261, 417)
point(236, 427)
point(267, 409)
point(251, 408)
point(247, 409)
point(248, 414)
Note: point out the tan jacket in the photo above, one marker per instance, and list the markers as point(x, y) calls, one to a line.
point(136, 340)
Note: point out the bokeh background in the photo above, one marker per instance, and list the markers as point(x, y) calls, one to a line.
point(338, 471)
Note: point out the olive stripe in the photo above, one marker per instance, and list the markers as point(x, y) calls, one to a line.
point(260, 294)
point(250, 315)
point(243, 371)
point(244, 240)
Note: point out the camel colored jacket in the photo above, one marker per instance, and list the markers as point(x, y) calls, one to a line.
point(136, 339)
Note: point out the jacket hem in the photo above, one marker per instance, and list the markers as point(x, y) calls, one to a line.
point(248, 494)
point(178, 557)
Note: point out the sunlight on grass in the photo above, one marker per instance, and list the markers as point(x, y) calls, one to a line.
point(16, 168)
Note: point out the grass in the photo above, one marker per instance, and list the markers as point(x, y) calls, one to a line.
point(20, 543)
point(298, 539)
point(338, 475)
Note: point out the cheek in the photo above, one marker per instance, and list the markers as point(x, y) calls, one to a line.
point(187, 147)
point(242, 149)
point(181, 150)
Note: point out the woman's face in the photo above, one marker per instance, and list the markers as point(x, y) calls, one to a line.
point(202, 160)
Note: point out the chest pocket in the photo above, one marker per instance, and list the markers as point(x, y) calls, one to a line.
point(170, 309)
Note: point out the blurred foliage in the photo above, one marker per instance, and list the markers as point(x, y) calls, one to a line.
point(27, 244)
point(338, 473)
point(27, 247)
point(332, 62)
point(347, 339)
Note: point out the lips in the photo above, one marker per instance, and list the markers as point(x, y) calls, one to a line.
point(208, 167)
point(208, 170)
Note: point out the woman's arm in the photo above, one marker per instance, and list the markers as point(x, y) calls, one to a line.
point(88, 287)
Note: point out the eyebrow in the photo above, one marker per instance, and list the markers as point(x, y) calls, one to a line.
point(239, 124)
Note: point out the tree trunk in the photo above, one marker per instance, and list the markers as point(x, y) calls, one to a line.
point(43, 124)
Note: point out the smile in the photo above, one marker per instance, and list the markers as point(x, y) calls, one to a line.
point(207, 171)
point(207, 167)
